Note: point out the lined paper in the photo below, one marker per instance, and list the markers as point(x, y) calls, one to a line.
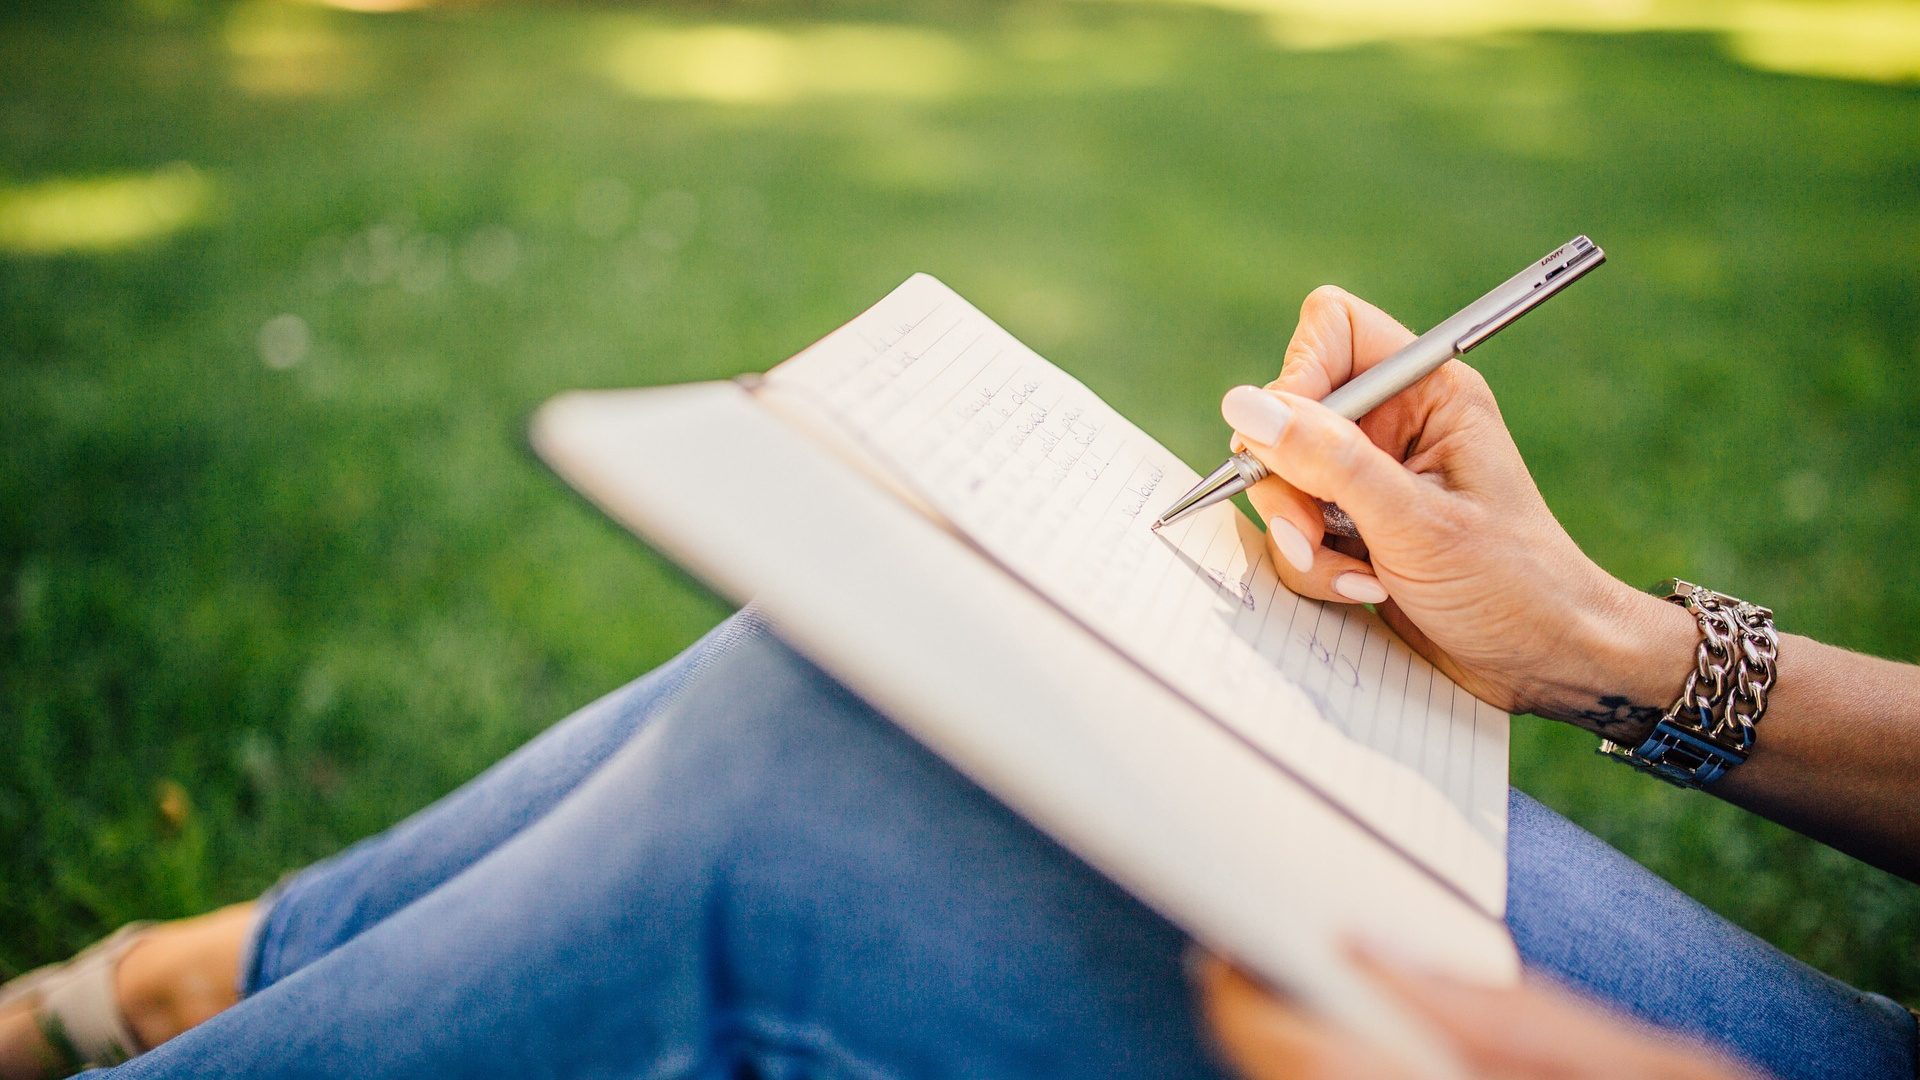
point(1048, 480)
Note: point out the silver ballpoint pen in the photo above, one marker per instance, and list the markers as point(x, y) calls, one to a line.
point(1359, 396)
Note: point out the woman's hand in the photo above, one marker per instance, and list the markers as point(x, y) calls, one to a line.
point(1460, 553)
point(1534, 1031)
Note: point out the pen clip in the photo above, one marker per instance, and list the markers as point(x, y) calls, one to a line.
point(1557, 271)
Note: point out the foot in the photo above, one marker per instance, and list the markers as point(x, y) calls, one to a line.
point(25, 1053)
point(182, 973)
point(160, 980)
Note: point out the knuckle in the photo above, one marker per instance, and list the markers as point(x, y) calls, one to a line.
point(1324, 315)
point(1322, 297)
point(1336, 456)
point(1460, 518)
point(1324, 305)
point(1301, 351)
point(1479, 393)
point(1466, 384)
point(1470, 378)
point(1447, 523)
point(1346, 457)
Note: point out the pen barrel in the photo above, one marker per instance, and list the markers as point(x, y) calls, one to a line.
point(1467, 328)
point(1361, 395)
point(1366, 391)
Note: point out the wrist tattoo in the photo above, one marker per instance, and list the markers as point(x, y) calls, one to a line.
point(1616, 712)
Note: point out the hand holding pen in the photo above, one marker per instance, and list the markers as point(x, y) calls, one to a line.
point(1452, 338)
point(1460, 552)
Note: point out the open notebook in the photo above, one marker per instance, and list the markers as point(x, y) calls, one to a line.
point(958, 530)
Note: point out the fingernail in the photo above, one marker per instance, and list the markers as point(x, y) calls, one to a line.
point(1391, 954)
point(1360, 588)
point(1255, 414)
point(1291, 542)
point(1237, 443)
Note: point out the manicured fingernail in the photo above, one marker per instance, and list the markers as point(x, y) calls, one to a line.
point(1360, 588)
point(1292, 543)
point(1255, 414)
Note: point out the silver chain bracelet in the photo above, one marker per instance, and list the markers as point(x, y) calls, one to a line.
point(1710, 727)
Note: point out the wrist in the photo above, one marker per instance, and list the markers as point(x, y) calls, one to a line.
point(1635, 651)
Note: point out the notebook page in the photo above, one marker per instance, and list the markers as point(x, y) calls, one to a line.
point(1051, 482)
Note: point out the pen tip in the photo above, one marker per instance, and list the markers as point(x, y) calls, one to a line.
point(1155, 527)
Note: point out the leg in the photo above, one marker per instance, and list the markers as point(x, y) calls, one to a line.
point(1580, 911)
point(328, 903)
point(769, 878)
point(177, 974)
point(1605, 925)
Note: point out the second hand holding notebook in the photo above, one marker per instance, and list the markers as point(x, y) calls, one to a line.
point(959, 532)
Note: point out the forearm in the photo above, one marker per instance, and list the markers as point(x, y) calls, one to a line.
point(1837, 755)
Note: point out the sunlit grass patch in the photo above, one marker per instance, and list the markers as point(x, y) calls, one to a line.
point(764, 65)
point(1872, 40)
point(281, 49)
point(102, 213)
point(269, 532)
point(1031, 51)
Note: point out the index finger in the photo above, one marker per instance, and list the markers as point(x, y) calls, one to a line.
point(1339, 336)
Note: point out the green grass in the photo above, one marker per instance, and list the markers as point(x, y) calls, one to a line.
point(316, 597)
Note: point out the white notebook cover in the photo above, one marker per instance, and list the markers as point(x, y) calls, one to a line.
point(1020, 697)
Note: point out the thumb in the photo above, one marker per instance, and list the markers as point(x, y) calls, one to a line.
point(1323, 454)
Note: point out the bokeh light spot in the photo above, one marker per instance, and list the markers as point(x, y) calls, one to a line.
point(669, 219)
point(284, 341)
point(1804, 495)
point(602, 206)
point(423, 263)
point(490, 255)
point(372, 257)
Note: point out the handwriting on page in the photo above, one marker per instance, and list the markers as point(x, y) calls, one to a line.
point(1050, 481)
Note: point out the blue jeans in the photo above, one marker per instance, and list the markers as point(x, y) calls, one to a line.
point(733, 867)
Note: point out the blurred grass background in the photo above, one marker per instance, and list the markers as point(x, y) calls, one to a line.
point(280, 285)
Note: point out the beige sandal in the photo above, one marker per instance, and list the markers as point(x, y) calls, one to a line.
point(74, 1005)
